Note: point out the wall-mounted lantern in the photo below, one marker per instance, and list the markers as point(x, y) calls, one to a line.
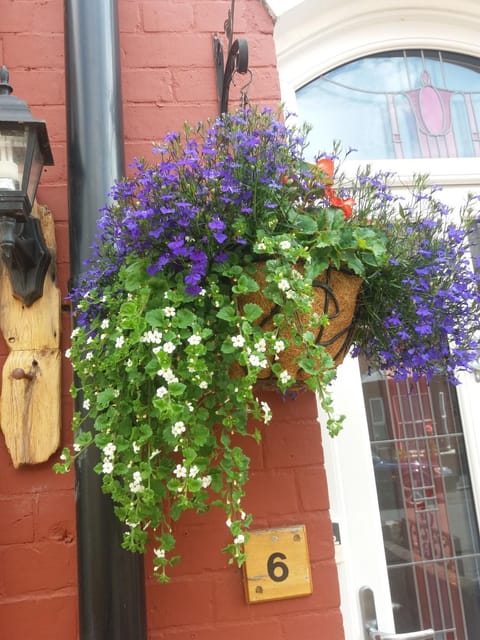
point(24, 150)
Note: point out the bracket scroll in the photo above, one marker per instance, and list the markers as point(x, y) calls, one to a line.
point(237, 60)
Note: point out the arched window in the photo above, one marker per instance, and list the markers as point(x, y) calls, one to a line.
point(399, 104)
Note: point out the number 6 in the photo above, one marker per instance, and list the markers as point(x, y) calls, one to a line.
point(273, 564)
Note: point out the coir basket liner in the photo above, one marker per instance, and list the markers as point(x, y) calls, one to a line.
point(335, 295)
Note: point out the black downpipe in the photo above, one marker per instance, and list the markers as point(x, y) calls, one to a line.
point(110, 580)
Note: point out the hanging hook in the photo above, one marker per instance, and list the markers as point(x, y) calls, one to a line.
point(244, 101)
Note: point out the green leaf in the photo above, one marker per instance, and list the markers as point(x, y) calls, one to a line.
point(245, 284)
point(185, 318)
point(226, 313)
point(104, 398)
point(305, 224)
point(252, 311)
point(176, 388)
point(155, 317)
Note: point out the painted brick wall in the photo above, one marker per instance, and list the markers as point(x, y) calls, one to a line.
point(168, 77)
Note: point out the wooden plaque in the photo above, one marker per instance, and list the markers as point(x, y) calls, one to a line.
point(277, 564)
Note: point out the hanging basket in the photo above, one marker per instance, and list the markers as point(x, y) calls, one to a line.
point(335, 295)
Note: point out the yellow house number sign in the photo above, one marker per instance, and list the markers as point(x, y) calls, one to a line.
point(277, 564)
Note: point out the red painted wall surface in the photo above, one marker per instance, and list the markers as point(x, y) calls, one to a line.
point(168, 77)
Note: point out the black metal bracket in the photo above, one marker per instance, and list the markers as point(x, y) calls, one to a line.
point(237, 60)
point(26, 257)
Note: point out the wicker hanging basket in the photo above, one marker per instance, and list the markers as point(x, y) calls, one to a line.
point(335, 295)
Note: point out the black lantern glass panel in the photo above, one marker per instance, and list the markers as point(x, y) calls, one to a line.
point(13, 148)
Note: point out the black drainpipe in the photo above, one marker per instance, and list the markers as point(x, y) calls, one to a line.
point(110, 580)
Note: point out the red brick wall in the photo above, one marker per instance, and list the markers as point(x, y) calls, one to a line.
point(205, 600)
point(168, 77)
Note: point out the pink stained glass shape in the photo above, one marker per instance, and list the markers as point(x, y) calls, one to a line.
point(431, 107)
point(432, 111)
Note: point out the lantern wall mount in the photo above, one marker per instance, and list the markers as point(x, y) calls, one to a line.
point(24, 151)
point(237, 60)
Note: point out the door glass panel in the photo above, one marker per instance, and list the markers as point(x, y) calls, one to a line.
point(426, 505)
point(425, 104)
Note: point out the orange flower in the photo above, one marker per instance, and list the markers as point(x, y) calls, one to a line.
point(346, 205)
point(326, 166)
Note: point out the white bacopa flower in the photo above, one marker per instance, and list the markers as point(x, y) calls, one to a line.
point(206, 481)
point(193, 473)
point(63, 457)
point(228, 522)
point(254, 360)
point(105, 323)
point(129, 362)
point(136, 487)
point(180, 471)
point(190, 407)
point(238, 341)
point(116, 393)
point(109, 450)
point(243, 515)
point(195, 339)
point(267, 412)
point(285, 245)
point(240, 539)
point(152, 337)
point(154, 453)
point(160, 553)
point(279, 346)
point(119, 342)
point(169, 312)
point(68, 353)
point(161, 391)
point(178, 428)
point(86, 404)
point(261, 345)
point(89, 356)
point(136, 447)
point(169, 347)
point(107, 466)
point(75, 332)
point(77, 447)
point(290, 294)
point(89, 340)
point(285, 377)
point(168, 375)
point(284, 285)
point(203, 384)
point(261, 246)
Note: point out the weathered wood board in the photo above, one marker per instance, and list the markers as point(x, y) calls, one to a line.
point(30, 413)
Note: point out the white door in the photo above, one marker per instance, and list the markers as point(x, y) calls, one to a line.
point(401, 492)
point(403, 477)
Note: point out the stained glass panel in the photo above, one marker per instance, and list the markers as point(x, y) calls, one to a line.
point(400, 104)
